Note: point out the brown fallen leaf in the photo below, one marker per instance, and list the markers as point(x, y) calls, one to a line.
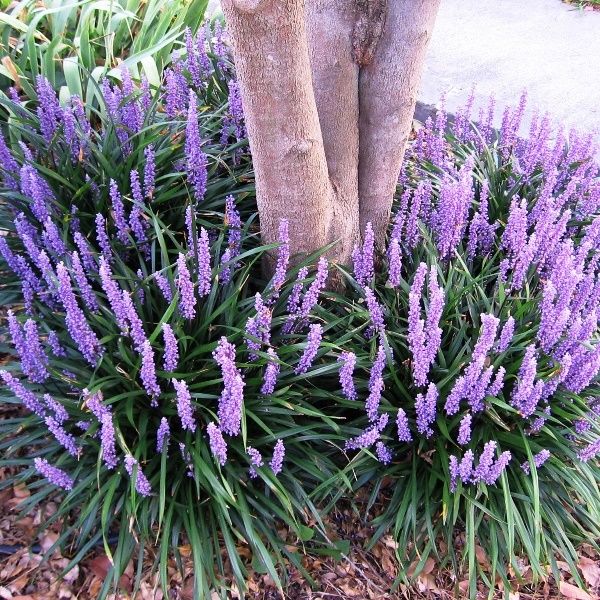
point(572, 591)
point(590, 570)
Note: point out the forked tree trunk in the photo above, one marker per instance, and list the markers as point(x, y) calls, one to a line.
point(329, 93)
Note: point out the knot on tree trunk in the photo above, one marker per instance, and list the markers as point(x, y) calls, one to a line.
point(301, 147)
point(368, 29)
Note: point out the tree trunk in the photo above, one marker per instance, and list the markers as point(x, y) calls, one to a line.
point(388, 90)
point(329, 93)
point(271, 57)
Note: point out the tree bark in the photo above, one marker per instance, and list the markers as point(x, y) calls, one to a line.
point(273, 68)
point(387, 91)
point(329, 26)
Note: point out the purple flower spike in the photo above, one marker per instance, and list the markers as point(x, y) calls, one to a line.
point(590, 451)
point(404, 434)
point(163, 433)
point(107, 440)
point(506, 335)
point(384, 454)
point(464, 432)
point(454, 469)
point(149, 172)
point(348, 360)
point(86, 290)
point(196, 162)
point(424, 337)
point(368, 437)
point(164, 286)
point(119, 212)
point(232, 396)
point(258, 327)
point(376, 313)
point(316, 287)
point(102, 238)
point(375, 385)
point(185, 410)
point(276, 463)
point(142, 485)
point(256, 461)
point(313, 341)
point(271, 374)
point(55, 345)
point(218, 446)
point(113, 294)
point(81, 333)
point(187, 299)
point(148, 372)
point(204, 270)
point(364, 258)
point(395, 262)
point(526, 394)
point(171, 353)
point(53, 474)
point(538, 460)
point(49, 111)
point(283, 256)
point(425, 408)
point(23, 394)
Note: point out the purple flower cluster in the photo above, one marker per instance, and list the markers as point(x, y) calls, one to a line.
point(476, 382)
point(424, 336)
point(404, 434)
point(34, 362)
point(232, 396)
point(271, 373)
point(171, 352)
point(276, 463)
point(142, 485)
point(376, 385)
point(348, 360)
point(79, 329)
point(185, 286)
point(368, 437)
point(488, 470)
point(426, 410)
point(450, 217)
point(218, 445)
point(256, 461)
point(538, 460)
point(195, 159)
point(384, 454)
point(23, 394)
point(528, 392)
point(53, 474)
point(163, 433)
point(148, 372)
point(258, 327)
point(313, 341)
point(375, 312)
point(234, 238)
point(185, 410)
point(363, 258)
point(233, 121)
point(283, 257)
point(107, 439)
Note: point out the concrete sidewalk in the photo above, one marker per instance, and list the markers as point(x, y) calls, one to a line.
point(504, 46)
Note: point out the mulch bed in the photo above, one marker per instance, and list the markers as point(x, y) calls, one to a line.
point(24, 575)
